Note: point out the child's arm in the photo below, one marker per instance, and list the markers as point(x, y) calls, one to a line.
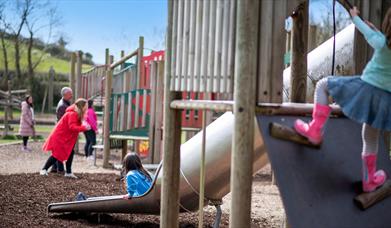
point(131, 185)
point(376, 39)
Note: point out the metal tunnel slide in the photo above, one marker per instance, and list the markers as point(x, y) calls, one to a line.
point(217, 180)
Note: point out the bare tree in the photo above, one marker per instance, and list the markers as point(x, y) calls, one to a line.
point(4, 26)
point(21, 11)
point(41, 16)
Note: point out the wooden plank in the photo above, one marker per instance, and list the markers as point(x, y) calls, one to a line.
point(218, 47)
point(192, 44)
point(201, 84)
point(137, 110)
point(211, 46)
point(140, 64)
point(225, 44)
point(278, 51)
point(151, 130)
point(144, 111)
point(231, 47)
point(123, 113)
point(198, 50)
point(130, 110)
point(179, 47)
point(159, 114)
point(265, 51)
point(185, 51)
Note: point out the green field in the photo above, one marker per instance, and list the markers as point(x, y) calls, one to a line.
point(60, 66)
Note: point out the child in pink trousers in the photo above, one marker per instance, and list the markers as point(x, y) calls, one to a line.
point(365, 99)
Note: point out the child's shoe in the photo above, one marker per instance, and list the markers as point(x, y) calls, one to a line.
point(313, 131)
point(70, 175)
point(371, 179)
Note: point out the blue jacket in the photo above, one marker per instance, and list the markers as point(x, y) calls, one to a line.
point(137, 183)
point(378, 70)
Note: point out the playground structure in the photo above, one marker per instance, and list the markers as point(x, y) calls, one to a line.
point(234, 49)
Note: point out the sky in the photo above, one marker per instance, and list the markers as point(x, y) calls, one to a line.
point(93, 25)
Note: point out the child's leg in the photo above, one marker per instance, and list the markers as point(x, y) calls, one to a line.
point(88, 142)
point(320, 114)
point(371, 178)
point(25, 139)
point(321, 95)
point(93, 142)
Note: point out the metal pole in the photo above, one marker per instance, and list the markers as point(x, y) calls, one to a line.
point(244, 108)
point(202, 172)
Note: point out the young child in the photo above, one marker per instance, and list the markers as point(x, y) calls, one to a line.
point(26, 127)
point(90, 134)
point(365, 99)
point(64, 135)
point(138, 180)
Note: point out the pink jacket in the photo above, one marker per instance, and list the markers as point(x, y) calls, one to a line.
point(92, 119)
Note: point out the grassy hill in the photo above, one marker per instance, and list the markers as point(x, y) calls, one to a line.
point(60, 66)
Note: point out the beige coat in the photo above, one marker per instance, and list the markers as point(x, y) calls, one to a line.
point(26, 127)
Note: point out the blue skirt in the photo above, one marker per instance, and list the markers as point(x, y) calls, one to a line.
point(361, 101)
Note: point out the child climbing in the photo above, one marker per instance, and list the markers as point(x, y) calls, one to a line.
point(90, 134)
point(365, 99)
point(138, 180)
point(64, 135)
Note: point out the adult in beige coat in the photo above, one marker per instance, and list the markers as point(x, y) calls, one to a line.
point(26, 128)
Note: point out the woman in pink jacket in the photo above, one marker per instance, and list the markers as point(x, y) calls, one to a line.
point(26, 127)
point(90, 134)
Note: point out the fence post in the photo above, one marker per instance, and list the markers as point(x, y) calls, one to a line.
point(7, 109)
point(50, 88)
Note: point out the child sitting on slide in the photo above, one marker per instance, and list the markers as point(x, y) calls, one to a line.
point(137, 180)
point(365, 99)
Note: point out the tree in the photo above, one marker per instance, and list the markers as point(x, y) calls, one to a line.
point(22, 9)
point(41, 15)
point(3, 30)
point(62, 42)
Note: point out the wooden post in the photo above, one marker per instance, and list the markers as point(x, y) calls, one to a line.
point(50, 88)
point(244, 107)
point(159, 114)
point(79, 63)
point(106, 123)
point(312, 31)
point(140, 68)
point(7, 109)
point(299, 53)
point(10, 107)
point(169, 209)
point(72, 76)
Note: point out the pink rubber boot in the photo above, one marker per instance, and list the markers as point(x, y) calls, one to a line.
point(313, 130)
point(371, 179)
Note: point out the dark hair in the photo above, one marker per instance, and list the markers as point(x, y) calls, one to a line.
point(27, 100)
point(386, 27)
point(90, 103)
point(132, 162)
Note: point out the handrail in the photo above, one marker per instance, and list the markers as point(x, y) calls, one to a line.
point(123, 59)
point(92, 69)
